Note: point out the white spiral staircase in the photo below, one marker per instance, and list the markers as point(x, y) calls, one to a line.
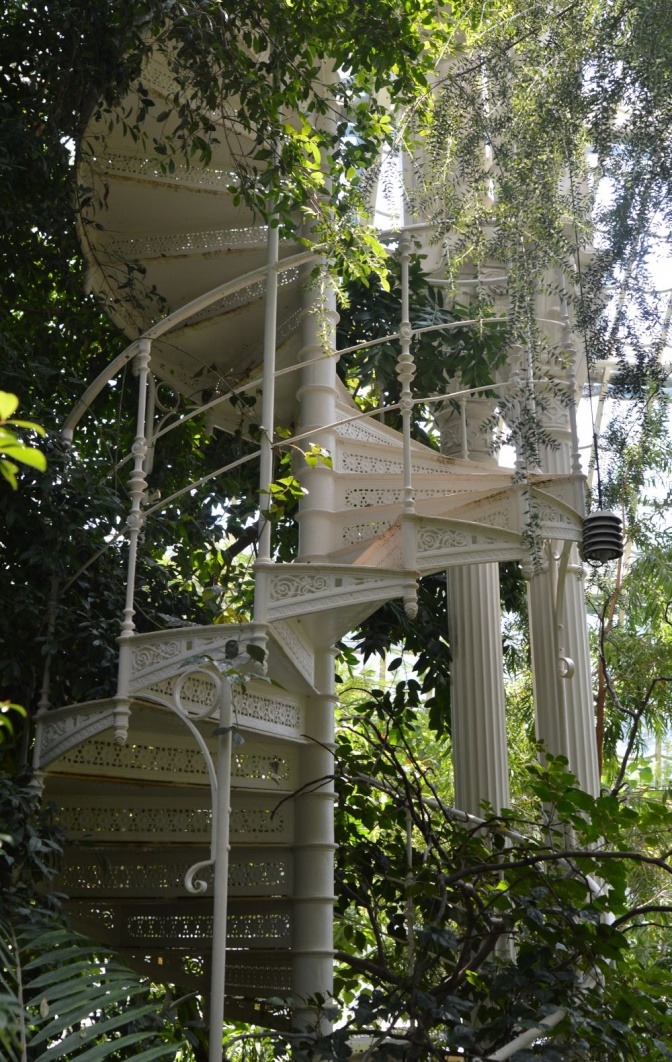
point(139, 814)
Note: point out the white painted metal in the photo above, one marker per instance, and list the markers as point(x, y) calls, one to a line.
point(313, 907)
point(221, 883)
point(268, 393)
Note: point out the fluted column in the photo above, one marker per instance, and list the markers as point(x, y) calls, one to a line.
point(582, 743)
point(549, 700)
point(477, 681)
point(312, 944)
point(478, 708)
point(563, 697)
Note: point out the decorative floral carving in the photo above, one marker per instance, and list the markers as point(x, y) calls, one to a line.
point(432, 539)
point(287, 586)
point(145, 656)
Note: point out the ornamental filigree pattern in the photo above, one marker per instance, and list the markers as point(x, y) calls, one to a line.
point(199, 691)
point(159, 822)
point(362, 497)
point(270, 875)
point(496, 518)
point(182, 243)
point(299, 653)
point(254, 874)
point(146, 656)
point(284, 587)
point(280, 712)
point(247, 823)
point(171, 761)
point(243, 297)
point(72, 729)
point(141, 166)
point(363, 531)
point(364, 430)
point(367, 464)
point(258, 930)
point(433, 539)
point(259, 978)
point(260, 767)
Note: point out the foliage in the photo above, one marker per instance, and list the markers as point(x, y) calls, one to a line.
point(526, 87)
point(11, 447)
point(469, 939)
point(542, 112)
point(456, 933)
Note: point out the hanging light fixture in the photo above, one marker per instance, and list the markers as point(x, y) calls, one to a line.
point(602, 537)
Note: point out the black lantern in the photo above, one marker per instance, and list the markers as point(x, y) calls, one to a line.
point(602, 537)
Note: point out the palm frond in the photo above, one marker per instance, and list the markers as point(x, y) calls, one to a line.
point(63, 998)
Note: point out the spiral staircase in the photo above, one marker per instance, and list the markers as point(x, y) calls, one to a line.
point(138, 805)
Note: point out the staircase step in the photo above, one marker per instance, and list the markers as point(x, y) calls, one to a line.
point(139, 871)
point(187, 924)
point(167, 753)
point(444, 544)
point(308, 588)
point(129, 813)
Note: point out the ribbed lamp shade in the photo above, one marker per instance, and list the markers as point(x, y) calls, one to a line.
point(602, 537)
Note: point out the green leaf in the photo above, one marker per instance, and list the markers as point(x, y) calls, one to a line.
point(9, 403)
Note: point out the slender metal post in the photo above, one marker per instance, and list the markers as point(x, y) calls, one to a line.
point(137, 486)
point(220, 828)
point(268, 389)
point(406, 373)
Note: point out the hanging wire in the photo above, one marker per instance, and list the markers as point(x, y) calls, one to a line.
point(584, 332)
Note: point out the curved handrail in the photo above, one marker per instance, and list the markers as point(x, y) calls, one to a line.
point(201, 302)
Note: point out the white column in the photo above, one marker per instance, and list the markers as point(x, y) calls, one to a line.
point(317, 410)
point(549, 700)
point(477, 684)
point(313, 908)
point(478, 707)
point(582, 743)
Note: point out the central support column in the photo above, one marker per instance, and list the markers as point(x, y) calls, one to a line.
point(478, 709)
point(312, 944)
point(317, 413)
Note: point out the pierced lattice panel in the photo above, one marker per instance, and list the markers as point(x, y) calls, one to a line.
point(274, 714)
point(160, 245)
point(177, 763)
point(252, 819)
point(134, 927)
point(136, 759)
point(247, 974)
point(258, 979)
point(160, 872)
point(149, 169)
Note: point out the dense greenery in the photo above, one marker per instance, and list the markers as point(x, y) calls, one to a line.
point(426, 942)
